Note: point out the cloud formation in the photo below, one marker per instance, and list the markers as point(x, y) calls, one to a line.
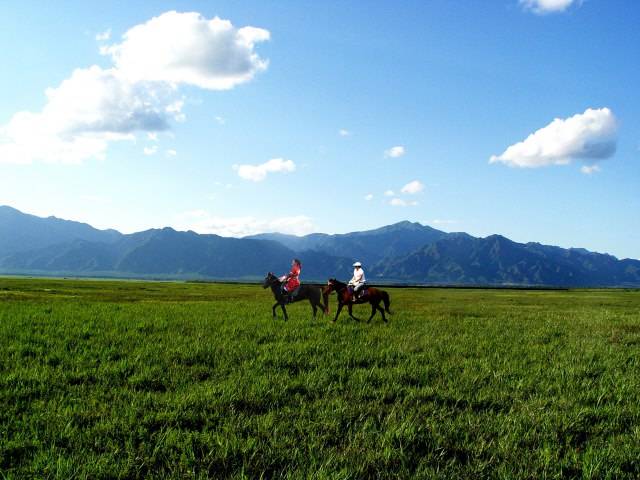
point(589, 169)
point(586, 136)
point(104, 36)
point(542, 7)
point(400, 202)
point(186, 48)
point(202, 221)
point(82, 115)
point(412, 188)
point(257, 173)
point(96, 106)
point(368, 197)
point(395, 152)
point(343, 132)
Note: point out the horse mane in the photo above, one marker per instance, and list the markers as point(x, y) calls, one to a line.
point(273, 278)
point(339, 285)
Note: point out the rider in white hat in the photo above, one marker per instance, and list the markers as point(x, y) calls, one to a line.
point(358, 281)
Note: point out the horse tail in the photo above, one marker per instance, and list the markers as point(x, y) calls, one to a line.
point(387, 301)
point(325, 297)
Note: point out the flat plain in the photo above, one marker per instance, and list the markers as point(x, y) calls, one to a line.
point(126, 379)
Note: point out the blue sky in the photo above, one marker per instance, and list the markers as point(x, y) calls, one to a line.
point(291, 125)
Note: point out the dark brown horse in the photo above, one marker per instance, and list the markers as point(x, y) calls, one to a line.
point(312, 293)
point(373, 296)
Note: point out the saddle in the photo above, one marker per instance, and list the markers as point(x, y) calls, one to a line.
point(289, 296)
point(362, 294)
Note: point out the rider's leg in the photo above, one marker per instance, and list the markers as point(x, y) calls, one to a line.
point(285, 293)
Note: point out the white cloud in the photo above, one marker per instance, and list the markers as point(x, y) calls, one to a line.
point(589, 169)
point(97, 100)
point(220, 120)
point(186, 48)
point(412, 188)
point(389, 193)
point(399, 202)
point(152, 136)
point(590, 136)
point(344, 132)
point(368, 197)
point(82, 115)
point(548, 6)
point(150, 150)
point(171, 153)
point(395, 152)
point(95, 106)
point(257, 173)
point(175, 109)
point(202, 222)
point(104, 36)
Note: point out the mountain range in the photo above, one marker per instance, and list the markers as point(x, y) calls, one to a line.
point(404, 252)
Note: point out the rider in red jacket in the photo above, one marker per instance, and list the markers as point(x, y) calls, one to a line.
point(292, 280)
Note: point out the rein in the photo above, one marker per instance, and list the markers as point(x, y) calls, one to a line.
point(338, 287)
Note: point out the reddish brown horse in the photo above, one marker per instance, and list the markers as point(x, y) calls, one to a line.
point(373, 296)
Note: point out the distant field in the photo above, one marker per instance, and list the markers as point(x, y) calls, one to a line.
point(108, 379)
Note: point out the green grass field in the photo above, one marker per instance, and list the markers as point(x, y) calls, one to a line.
point(106, 379)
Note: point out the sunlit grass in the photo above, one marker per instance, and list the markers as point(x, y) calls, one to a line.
point(104, 379)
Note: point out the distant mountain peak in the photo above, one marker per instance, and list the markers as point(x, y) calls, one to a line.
point(498, 238)
point(406, 224)
point(404, 251)
point(403, 226)
point(7, 208)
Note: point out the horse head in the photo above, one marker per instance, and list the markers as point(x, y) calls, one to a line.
point(329, 287)
point(269, 280)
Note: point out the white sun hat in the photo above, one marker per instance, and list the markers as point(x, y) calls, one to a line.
point(357, 264)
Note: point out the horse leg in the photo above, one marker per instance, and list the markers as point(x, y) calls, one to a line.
point(381, 310)
point(284, 311)
point(351, 313)
point(273, 309)
point(373, 312)
point(316, 302)
point(338, 311)
point(321, 306)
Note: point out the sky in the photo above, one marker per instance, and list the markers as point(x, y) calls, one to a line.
point(516, 117)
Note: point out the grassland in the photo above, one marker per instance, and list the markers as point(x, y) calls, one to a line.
point(106, 379)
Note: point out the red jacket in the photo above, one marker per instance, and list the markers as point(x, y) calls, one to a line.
point(292, 279)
